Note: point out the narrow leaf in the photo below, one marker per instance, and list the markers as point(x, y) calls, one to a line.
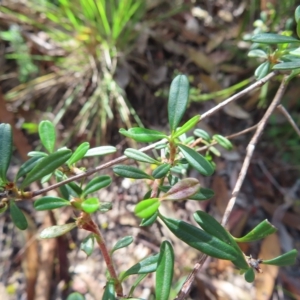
point(161, 171)
point(5, 149)
point(109, 292)
point(79, 153)
point(47, 135)
point(150, 220)
point(287, 65)
point(262, 70)
point(182, 190)
point(202, 134)
point(262, 230)
point(87, 245)
point(140, 156)
point(130, 172)
point(122, 243)
point(57, 230)
point(90, 205)
point(103, 150)
point(257, 53)
point(50, 202)
point(37, 153)
point(197, 161)
point(297, 14)
point(28, 166)
point(203, 194)
point(178, 100)
point(145, 266)
point(96, 184)
point(285, 259)
point(46, 166)
point(187, 126)
point(222, 141)
point(143, 135)
point(17, 216)
point(147, 208)
point(273, 38)
point(164, 271)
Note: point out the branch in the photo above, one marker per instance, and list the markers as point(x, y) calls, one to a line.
point(289, 118)
point(250, 149)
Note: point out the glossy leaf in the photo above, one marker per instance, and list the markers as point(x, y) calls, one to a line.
point(37, 153)
point(50, 202)
point(222, 141)
point(196, 160)
point(258, 53)
point(99, 151)
point(90, 205)
point(161, 171)
point(182, 190)
point(164, 271)
point(96, 184)
point(77, 191)
point(147, 208)
point(297, 14)
point(178, 100)
point(79, 153)
point(87, 245)
point(149, 221)
point(249, 275)
point(143, 135)
point(262, 70)
point(203, 194)
point(291, 65)
point(260, 231)
point(47, 135)
point(109, 292)
point(46, 166)
point(273, 38)
point(57, 230)
point(28, 166)
point(75, 296)
point(145, 266)
point(17, 216)
point(46, 178)
point(130, 172)
point(187, 126)
point(140, 156)
point(285, 259)
point(199, 239)
point(202, 134)
point(5, 149)
point(122, 243)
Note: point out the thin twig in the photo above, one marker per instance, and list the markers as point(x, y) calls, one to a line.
point(250, 148)
point(289, 118)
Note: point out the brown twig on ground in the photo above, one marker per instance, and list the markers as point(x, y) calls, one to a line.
point(289, 118)
point(249, 152)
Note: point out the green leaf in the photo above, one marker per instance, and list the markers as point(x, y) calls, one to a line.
point(122, 243)
point(17, 216)
point(57, 230)
point(46, 166)
point(182, 190)
point(145, 266)
point(75, 296)
point(298, 29)
point(214, 228)
point(297, 14)
point(203, 194)
point(260, 231)
point(37, 153)
point(197, 161)
point(47, 135)
point(139, 279)
point(161, 171)
point(178, 100)
point(130, 172)
point(164, 271)
point(147, 208)
point(202, 134)
point(140, 156)
point(199, 239)
point(149, 221)
point(273, 38)
point(250, 275)
point(79, 153)
point(96, 184)
point(3, 207)
point(28, 166)
point(262, 70)
point(50, 202)
point(285, 259)
point(87, 245)
point(90, 205)
point(5, 149)
point(222, 141)
point(287, 65)
point(109, 292)
point(143, 135)
point(187, 126)
point(258, 53)
point(102, 150)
